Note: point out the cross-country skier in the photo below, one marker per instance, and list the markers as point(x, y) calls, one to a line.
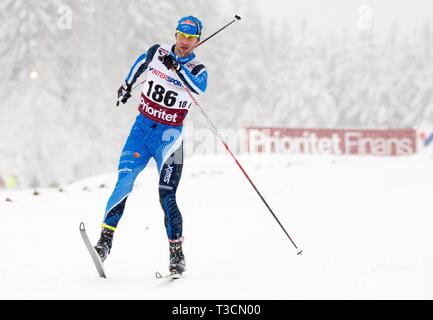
point(157, 132)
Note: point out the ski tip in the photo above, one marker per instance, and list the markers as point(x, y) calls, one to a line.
point(237, 17)
point(82, 227)
point(299, 253)
point(169, 276)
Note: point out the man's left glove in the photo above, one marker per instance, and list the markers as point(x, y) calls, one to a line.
point(169, 62)
point(123, 94)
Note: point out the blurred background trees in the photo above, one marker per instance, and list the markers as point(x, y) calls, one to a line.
point(58, 120)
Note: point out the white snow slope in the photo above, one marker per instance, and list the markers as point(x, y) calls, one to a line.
point(365, 225)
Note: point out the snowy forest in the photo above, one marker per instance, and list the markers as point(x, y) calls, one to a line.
point(63, 61)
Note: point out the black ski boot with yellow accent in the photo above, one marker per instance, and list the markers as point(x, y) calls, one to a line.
point(104, 244)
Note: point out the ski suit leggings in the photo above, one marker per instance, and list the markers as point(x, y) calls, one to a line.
point(164, 143)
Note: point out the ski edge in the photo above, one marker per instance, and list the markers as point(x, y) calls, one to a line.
point(95, 256)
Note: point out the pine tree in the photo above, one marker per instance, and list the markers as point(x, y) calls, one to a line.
point(30, 50)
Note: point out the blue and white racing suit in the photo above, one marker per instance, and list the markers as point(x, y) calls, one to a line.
point(157, 133)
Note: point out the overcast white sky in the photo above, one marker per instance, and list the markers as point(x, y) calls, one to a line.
point(330, 15)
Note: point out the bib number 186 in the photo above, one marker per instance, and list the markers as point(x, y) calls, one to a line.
point(161, 95)
point(168, 97)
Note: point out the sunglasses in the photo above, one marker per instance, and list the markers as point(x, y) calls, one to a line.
point(187, 35)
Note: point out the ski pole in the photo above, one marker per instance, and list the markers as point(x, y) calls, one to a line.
point(218, 31)
point(203, 41)
point(216, 133)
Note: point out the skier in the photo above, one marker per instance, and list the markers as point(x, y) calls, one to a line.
point(157, 132)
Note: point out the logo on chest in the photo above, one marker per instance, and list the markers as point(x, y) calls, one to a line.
point(164, 76)
point(161, 114)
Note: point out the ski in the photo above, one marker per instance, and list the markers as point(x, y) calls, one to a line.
point(95, 256)
point(170, 276)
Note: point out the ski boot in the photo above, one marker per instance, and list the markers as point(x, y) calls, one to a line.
point(104, 244)
point(177, 259)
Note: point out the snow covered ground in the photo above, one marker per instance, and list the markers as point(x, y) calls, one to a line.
point(365, 225)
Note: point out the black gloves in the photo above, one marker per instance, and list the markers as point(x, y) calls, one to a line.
point(123, 94)
point(169, 62)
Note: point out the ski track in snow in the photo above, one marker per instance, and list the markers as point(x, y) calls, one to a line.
point(364, 225)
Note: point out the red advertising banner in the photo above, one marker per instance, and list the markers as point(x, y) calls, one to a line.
point(378, 142)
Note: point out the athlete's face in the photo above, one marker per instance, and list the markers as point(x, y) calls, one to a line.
point(185, 44)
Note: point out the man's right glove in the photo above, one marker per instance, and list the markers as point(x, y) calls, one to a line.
point(123, 94)
point(169, 62)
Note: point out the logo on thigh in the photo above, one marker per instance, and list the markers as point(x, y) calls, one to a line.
point(167, 173)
